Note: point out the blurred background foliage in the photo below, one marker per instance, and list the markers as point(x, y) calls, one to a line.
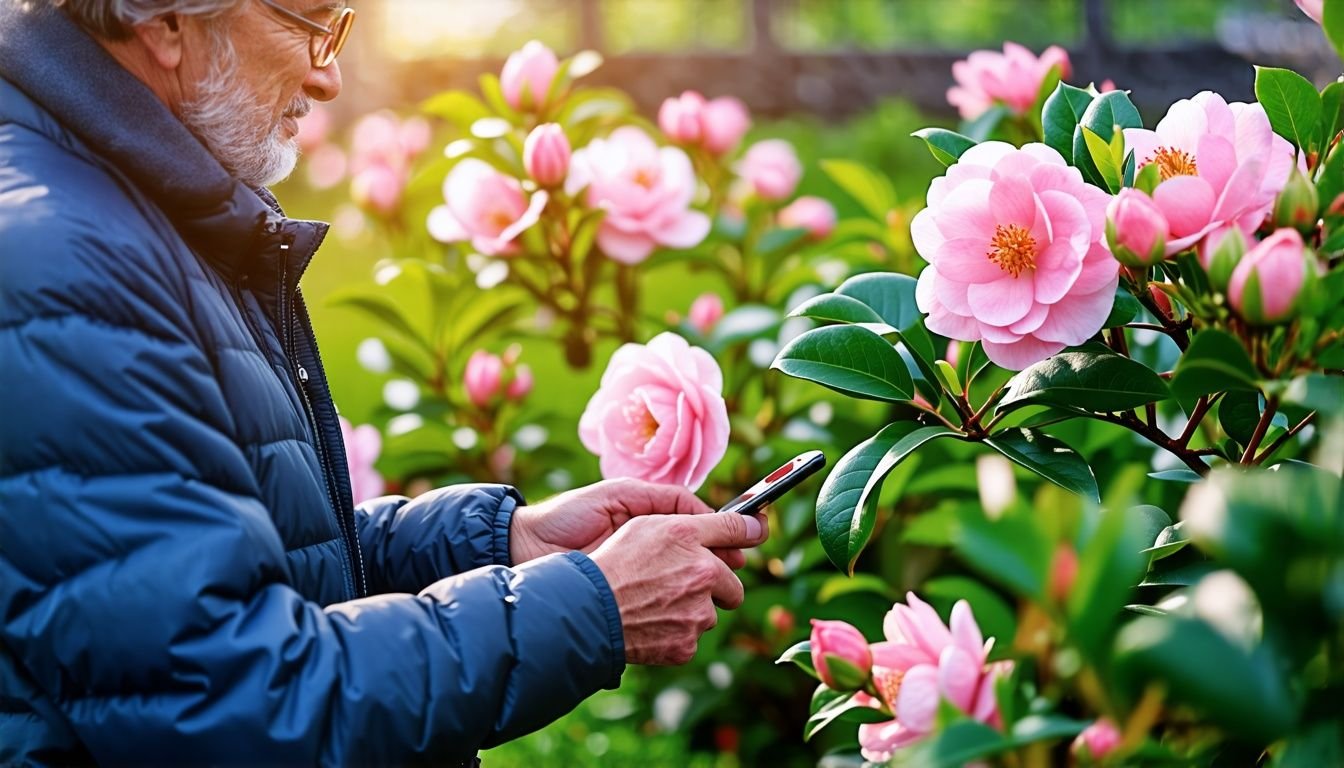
point(732, 706)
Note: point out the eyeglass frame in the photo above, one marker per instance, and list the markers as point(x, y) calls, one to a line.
point(346, 18)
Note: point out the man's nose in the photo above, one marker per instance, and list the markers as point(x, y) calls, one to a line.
point(323, 84)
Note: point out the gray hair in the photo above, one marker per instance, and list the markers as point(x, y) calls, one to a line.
point(113, 19)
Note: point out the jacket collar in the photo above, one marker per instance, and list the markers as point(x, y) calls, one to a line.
point(115, 117)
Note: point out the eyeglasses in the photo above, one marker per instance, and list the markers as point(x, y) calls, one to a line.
point(326, 42)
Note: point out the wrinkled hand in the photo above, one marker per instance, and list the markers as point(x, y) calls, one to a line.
point(667, 580)
point(584, 518)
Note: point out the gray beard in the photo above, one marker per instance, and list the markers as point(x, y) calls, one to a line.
point(235, 128)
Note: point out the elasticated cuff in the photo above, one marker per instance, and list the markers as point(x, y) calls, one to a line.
point(615, 632)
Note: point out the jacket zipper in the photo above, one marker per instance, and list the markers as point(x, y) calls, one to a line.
point(334, 495)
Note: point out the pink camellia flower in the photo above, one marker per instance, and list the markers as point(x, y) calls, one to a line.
point(521, 384)
point(646, 191)
point(814, 214)
point(546, 155)
point(326, 166)
point(705, 312)
point(527, 76)
point(362, 446)
point(840, 655)
point(1313, 8)
point(772, 169)
point(1097, 740)
point(922, 662)
point(382, 147)
point(482, 377)
point(717, 125)
point(486, 207)
point(414, 135)
point(1013, 238)
point(659, 413)
point(377, 188)
point(1136, 230)
point(1013, 78)
point(1282, 266)
point(1221, 164)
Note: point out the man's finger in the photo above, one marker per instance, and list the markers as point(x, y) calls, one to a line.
point(733, 558)
point(729, 529)
point(727, 589)
point(659, 499)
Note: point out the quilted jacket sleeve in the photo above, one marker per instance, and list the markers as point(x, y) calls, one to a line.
point(410, 543)
point(143, 585)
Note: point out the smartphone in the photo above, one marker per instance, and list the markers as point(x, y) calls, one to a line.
point(775, 484)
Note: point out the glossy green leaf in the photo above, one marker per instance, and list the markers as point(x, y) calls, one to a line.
point(458, 107)
point(829, 706)
point(1063, 111)
point(890, 295)
point(1013, 551)
point(1187, 476)
point(844, 515)
point(836, 308)
point(1214, 362)
point(945, 145)
point(1104, 114)
point(871, 189)
point(801, 655)
point(1148, 178)
point(1238, 414)
point(983, 127)
point(1091, 380)
point(1238, 691)
point(849, 359)
point(1292, 104)
point(1048, 457)
point(1169, 541)
point(1110, 564)
point(1108, 167)
point(957, 745)
point(1034, 728)
point(384, 310)
point(994, 614)
point(1316, 392)
point(1036, 112)
point(1332, 113)
point(1332, 21)
point(1124, 310)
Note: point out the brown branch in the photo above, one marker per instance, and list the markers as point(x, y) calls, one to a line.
point(1284, 438)
point(1261, 427)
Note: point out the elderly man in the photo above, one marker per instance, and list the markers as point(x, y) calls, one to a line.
point(183, 577)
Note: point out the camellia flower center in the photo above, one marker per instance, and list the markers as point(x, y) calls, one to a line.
point(1174, 162)
point(1013, 249)
point(501, 219)
point(644, 178)
point(642, 424)
point(888, 684)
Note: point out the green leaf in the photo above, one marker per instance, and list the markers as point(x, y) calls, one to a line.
point(962, 742)
point(494, 95)
point(1106, 112)
point(800, 654)
point(1316, 392)
point(1063, 111)
point(848, 585)
point(829, 706)
point(972, 361)
point(1124, 310)
point(1292, 104)
point(984, 126)
point(1187, 476)
point(1091, 380)
point(849, 359)
point(1331, 182)
point(1238, 414)
point(1332, 21)
point(1109, 566)
point(948, 375)
point(1240, 692)
point(1012, 550)
point(1148, 178)
point(383, 310)
point(458, 107)
point(1033, 728)
point(890, 295)
point(1168, 542)
point(1103, 158)
point(994, 614)
point(1214, 362)
point(778, 240)
point(1048, 457)
point(946, 146)
point(836, 308)
point(749, 321)
point(1332, 113)
point(1036, 112)
point(844, 516)
point(871, 189)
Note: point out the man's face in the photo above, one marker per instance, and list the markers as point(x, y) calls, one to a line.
point(247, 100)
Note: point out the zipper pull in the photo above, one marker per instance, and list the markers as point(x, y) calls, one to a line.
point(303, 374)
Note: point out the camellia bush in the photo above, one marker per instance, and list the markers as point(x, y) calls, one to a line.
point(1183, 284)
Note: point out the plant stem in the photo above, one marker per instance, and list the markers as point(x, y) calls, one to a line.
point(1261, 427)
point(1284, 438)
point(1158, 438)
point(1196, 416)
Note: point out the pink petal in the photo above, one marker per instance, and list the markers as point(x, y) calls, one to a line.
point(1187, 202)
point(925, 234)
point(1076, 318)
point(998, 335)
point(444, 227)
point(952, 294)
point(1002, 302)
point(946, 323)
point(959, 676)
point(627, 248)
point(1242, 191)
point(899, 656)
point(917, 702)
point(965, 211)
point(684, 231)
point(1143, 143)
point(1216, 160)
point(965, 631)
point(968, 259)
point(1028, 324)
point(1183, 126)
point(1021, 354)
point(1012, 201)
point(531, 216)
point(878, 741)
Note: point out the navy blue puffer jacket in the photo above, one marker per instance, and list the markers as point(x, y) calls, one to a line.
point(182, 575)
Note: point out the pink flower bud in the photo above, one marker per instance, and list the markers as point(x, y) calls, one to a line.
point(1313, 8)
point(1097, 740)
point(679, 117)
point(521, 384)
point(546, 155)
point(841, 655)
point(1063, 571)
point(705, 312)
point(723, 124)
point(1161, 299)
point(1136, 229)
point(378, 188)
point(527, 76)
point(1297, 204)
point(1267, 283)
point(814, 214)
point(414, 134)
point(482, 377)
point(772, 168)
point(780, 619)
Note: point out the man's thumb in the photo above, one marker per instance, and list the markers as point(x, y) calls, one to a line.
point(728, 529)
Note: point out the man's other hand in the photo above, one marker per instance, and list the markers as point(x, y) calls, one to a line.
point(667, 578)
point(584, 518)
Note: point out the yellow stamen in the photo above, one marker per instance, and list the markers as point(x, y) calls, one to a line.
point(644, 178)
point(888, 684)
point(641, 420)
point(1174, 162)
point(1013, 250)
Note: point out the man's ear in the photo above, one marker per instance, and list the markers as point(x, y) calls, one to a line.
point(162, 38)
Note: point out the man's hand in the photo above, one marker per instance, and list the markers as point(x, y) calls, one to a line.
point(667, 580)
point(584, 518)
